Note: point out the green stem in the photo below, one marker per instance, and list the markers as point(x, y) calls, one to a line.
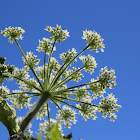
point(48, 74)
point(56, 104)
point(75, 100)
point(83, 85)
point(64, 102)
point(26, 82)
point(29, 64)
point(59, 73)
point(48, 116)
point(65, 80)
point(24, 93)
point(33, 94)
point(44, 71)
point(31, 114)
point(71, 88)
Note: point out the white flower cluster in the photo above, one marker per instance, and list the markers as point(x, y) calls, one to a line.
point(96, 89)
point(40, 72)
point(68, 56)
point(19, 100)
point(108, 105)
point(5, 71)
point(94, 40)
point(54, 65)
point(13, 33)
point(107, 78)
point(4, 91)
point(81, 93)
point(29, 87)
point(87, 98)
point(66, 116)
point(45, 127)
point(21, 73)
point(86, 111)
point(45, 45)
point(89, 63)
point(32, 60)
point(57, 33)
point(75, 74)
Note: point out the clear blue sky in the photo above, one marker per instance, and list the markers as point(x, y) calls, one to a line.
point(118, 22)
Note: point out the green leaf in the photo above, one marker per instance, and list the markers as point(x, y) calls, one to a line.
point(39, 138)
point(46, 138)
point(8, 117)
point(55, 133)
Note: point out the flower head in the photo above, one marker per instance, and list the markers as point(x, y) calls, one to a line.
point(13, 33)
point(66, 116)
point(57, 33)
point(89, 63)
point(45, 46)
point(94, 40)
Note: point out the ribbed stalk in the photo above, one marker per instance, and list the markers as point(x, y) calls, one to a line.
point(44, 97)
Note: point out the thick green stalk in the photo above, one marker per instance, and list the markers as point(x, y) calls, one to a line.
point(33, 111)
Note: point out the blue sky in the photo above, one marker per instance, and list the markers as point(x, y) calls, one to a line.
point(118, 22)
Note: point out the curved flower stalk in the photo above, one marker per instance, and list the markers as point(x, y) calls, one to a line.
point(50, 81)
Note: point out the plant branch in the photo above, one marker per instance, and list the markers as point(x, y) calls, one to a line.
point(48, 74)
point(75, 100)
point(26, 82)
point(59, 73)
point(48, 115)
point(44, 71)
point(65, 102)
point(29, 64)
point(65, 80)
point(71, 88)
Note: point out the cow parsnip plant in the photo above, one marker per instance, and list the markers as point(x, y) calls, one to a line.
point(50, 83)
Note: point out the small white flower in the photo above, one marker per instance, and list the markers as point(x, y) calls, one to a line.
point(113, 116)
